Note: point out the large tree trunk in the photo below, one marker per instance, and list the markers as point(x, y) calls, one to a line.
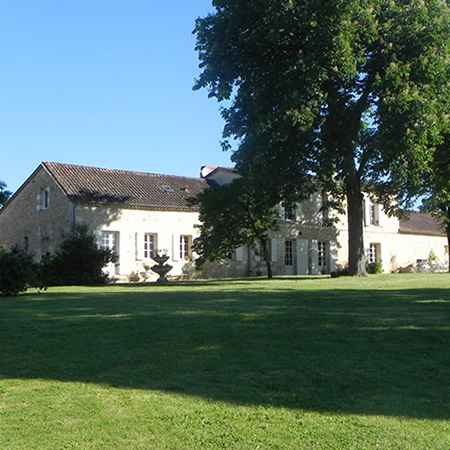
point(355, 217)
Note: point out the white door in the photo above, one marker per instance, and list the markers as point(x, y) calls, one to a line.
point(289, 267)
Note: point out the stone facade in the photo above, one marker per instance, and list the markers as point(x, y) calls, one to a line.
point(37, 217)
point(387, 240)
point(137, 214)
point(130, 228)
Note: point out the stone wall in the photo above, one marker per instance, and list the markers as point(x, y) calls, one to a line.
point(27, 224)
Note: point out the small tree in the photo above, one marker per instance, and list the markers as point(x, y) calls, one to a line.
point(18, 271)
point(234, 215)
point(78, 261)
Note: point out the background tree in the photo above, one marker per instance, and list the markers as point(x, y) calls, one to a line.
point(4, 194)
point(231, 216)
point(345, 91)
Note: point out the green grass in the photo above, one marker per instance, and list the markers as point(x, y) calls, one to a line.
point(292, 363)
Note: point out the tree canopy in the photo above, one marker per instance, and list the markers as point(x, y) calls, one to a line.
point(4, 194)
point(234, 215)
point(346, 91)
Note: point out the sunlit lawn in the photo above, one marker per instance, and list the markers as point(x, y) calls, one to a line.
point(292, 363)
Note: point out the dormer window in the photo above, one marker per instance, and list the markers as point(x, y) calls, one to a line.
point(289, 212)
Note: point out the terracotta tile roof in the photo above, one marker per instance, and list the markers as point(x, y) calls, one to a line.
point(421, 223)
point(131, 189)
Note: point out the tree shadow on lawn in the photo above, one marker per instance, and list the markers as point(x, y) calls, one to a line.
point(345, 351)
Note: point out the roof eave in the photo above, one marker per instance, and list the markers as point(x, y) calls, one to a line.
point(139, 207)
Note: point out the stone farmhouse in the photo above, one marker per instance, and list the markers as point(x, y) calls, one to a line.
point(137, 214)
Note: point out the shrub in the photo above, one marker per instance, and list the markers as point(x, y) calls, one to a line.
point(17, 271)
point(432, 258)
point(341, 271)
point(375, 267)
point(78, 261)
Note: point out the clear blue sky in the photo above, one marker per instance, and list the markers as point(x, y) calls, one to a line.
point(105, 83)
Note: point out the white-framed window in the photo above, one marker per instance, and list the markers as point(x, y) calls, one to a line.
point(374, 252)
point(44, 196)
point(150, 245)
point(322, 259)
point(185, 246)
point(374, 214)
point(109, 240)
point(289, 253)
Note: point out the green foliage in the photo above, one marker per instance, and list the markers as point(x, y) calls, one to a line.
point(432, 258)
point(437, 185)
point(375, 267)
point(352, 92)
point(4, 194)
point(295, 364)
point(234, 215)
point(78, 261)
point(17, 271)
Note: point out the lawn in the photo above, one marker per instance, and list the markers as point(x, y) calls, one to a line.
point(292, 363)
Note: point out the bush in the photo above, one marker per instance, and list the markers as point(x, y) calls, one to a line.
point(78, 261)
point(375, 267)
point(18, 271)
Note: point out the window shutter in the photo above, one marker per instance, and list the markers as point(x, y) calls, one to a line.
point(298, 211)
point(280, 211)
point(314, 257)
point(257, 258)
point(98, 234)
point(139, 240)
point(319, 202)
point(240, 254)
point(367, 212)
point(38, 206)
point(380, 216)
point(176, 247)
point(274, 250)
point(326, 210)
point(333, 255)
